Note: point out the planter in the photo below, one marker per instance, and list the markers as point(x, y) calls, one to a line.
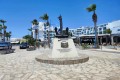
point(7, 51)
point(31, 48)
point(64, 44)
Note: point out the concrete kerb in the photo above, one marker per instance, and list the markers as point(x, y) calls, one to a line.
point(60, 61)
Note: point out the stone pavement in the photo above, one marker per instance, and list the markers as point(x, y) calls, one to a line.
point(22, 65)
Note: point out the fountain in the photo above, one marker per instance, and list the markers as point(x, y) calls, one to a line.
point(64, 51)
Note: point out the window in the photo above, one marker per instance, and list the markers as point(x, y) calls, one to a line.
point(100, 29)
point(104, 28)
point(118, 29)
point(100, 32)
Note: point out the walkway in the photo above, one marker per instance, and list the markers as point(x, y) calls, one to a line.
point(22, 65)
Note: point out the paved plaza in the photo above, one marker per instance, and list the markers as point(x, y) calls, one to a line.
point(21, 65)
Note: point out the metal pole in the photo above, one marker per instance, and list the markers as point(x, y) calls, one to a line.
point(101, 42)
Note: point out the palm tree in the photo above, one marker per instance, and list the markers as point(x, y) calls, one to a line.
point(4, 28)
point(1, 30)
point(35, 22)
point(46, 18)
point(3, 22)
point(92, 8)
point(8, 35)
point(109, 32)
point(27, 37)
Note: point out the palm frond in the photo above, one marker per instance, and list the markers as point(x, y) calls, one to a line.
point(2, 21)
point(89, 9)
point(10, 32)
point(5, 27)
point(35, 22)
point(30, 29)
point(93, 7)
point(45, 17)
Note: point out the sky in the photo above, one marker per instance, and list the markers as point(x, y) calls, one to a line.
point(20, 13)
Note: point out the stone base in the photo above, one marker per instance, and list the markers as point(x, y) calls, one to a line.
point(46, 58)
point(31, 48)
point(7, 51)
point(64, 44)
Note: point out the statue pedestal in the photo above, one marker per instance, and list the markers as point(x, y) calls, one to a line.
point(64, 44)
point(60, 52)
point(61, 36)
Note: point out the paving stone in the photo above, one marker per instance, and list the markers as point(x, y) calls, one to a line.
point(6, 77)
point(54, 77)
point(19, 75)
point(22, 66)
point(26, 76)
point(1, 76)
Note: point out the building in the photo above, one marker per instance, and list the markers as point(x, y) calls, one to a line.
point(115, 35)
point(42, 31)
point(73, 31)
point(114, 26)
point(101, 29)
point(85, 32)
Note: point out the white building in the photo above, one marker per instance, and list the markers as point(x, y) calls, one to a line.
point(101, 29)
point(114, 26)
point(43, 31)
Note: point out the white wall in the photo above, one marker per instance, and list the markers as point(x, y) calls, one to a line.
point(114, 26)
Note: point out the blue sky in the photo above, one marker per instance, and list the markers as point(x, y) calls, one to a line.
point(20, 13)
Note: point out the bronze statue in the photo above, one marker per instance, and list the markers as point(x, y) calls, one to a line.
point(61, 24)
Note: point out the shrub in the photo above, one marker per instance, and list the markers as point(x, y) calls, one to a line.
point(85, 46)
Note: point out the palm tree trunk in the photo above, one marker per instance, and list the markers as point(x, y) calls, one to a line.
point(48, 36)
point(36, 40)
point(31, 34)
point(96, 35)
point(48, 39)
point(7, 38)
point(36, 36)
point(110, 39)
point(4, 35)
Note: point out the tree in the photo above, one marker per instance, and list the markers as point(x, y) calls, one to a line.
point(29, 39)
point(46, 18)
point(3, 22)
point(92, 8)
point(8, 35)
point(31, 32)
point(108, 31)
point(26, 37)
point(1, 30)
point(4, 27)
point(35, 22)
